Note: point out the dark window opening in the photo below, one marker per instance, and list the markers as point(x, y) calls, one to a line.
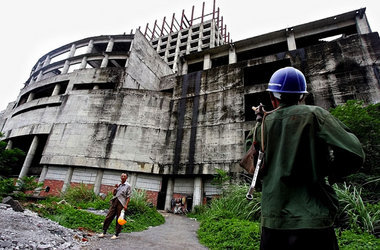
point(182, 48)
point(94, 63)
point(207, 25)
point(193, 45)
point(207, 33)
point(164, 39)
point(167, 91)
point(23, 99)
point(207, 40)
point(122, 46)
point(183, 40)
point(184, 33)
point(171, 51)
point(173, 43)
point(195, 67)
point(45, 91)
point(254, 100)
point(155, 42)
point(196, 29)
point(216, 62)
point(170, 59)
point(63, 88)
point(262, 51)
point(195, 36)
point(83, 86)
point(174, 36)
point(162, 53)
point(99, 47)
point(163, 46)
point(118, 63)
point(325, 37)
point(36, 107)
point(261, 73)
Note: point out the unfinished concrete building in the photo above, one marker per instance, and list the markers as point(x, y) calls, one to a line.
point(172, 104)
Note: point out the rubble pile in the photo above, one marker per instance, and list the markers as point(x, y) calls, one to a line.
point(26, 230)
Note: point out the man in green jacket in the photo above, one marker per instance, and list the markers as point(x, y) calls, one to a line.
point(306, 150)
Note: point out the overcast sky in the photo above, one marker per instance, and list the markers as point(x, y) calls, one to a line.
point(32, 28)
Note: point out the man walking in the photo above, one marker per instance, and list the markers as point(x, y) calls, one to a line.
point(120, 200)
point(306, 150)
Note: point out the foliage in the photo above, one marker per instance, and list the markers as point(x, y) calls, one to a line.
point(364, 121)
point(28, 183)
point(350, 240)
point(139, 216)
point(6, 186)
point(220, 178)
point(9, 158)
point(229, 234)
point(353, 212)
point(233, 204)
point(79, 194)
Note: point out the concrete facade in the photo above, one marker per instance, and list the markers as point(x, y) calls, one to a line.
point(111, 104)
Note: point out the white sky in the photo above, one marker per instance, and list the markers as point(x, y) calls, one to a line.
point(31, 28)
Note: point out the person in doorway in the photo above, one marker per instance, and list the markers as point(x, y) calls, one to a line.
point(120, 200)
point(306, 150)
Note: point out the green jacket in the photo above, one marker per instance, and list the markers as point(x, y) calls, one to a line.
point(298, 141)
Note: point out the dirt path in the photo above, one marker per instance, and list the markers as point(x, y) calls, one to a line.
point(178, 232)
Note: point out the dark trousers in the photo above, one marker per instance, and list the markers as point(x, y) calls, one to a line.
point(310, 239)
point(115, 210)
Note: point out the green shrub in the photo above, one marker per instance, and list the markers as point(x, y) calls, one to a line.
point(229, 234)
point(79, 194)
point(6, 186)
point(350, 240)
point(352, 205)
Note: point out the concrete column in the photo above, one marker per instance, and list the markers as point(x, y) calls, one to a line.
point(56, 89)
point(29, 158)
point(98, 181)
point(83, 64)
point(47, 61)
point(90, 46)
point(232, 58)
point(9, 145)
point(72, 51)
point(67, 181)
point(206, 62)
point(212, 34)
point(39, 65)
point(104, 61)
point(169, 194)
point(65, 68)
point(110, 45)
point(362, 24)
point(132, 178)
point(30, 97)
point(43, 174)
point(185, 68)
point(198, 192)
point(291, 40)
point(39, 76)
point(200, 42)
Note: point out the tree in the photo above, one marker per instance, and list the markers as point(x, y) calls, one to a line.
point(9, 158)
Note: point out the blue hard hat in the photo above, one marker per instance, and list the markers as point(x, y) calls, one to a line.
point(287, 80)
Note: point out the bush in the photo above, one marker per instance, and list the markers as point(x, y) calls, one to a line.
point(229, 234)
point(6, 186)
point(79, 194)
point(349, 239)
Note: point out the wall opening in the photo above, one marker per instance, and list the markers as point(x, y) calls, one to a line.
point(220, 61)
point(262, 51)
point(261, 73)
point(195, 67)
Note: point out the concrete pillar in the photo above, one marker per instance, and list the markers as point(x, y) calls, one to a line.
point(83, 64)
point(47, 60)
point(30, 97)
point(132, 179)
point(362, 24)
point(67, 181)
point(90, 46)
point(56, 89)
point(232, 58)
point(43, 174)
point(39, 76)
point(185, 68)
point(29, 158)
point(104, 61)
point(98, 181)
point(206, 62)
point(9, 145)
point(198, 192)
point(291, 40)
point(72, 51)
point(65, 68)
point(169, 194)
point(110, 45)
point(212, 34)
